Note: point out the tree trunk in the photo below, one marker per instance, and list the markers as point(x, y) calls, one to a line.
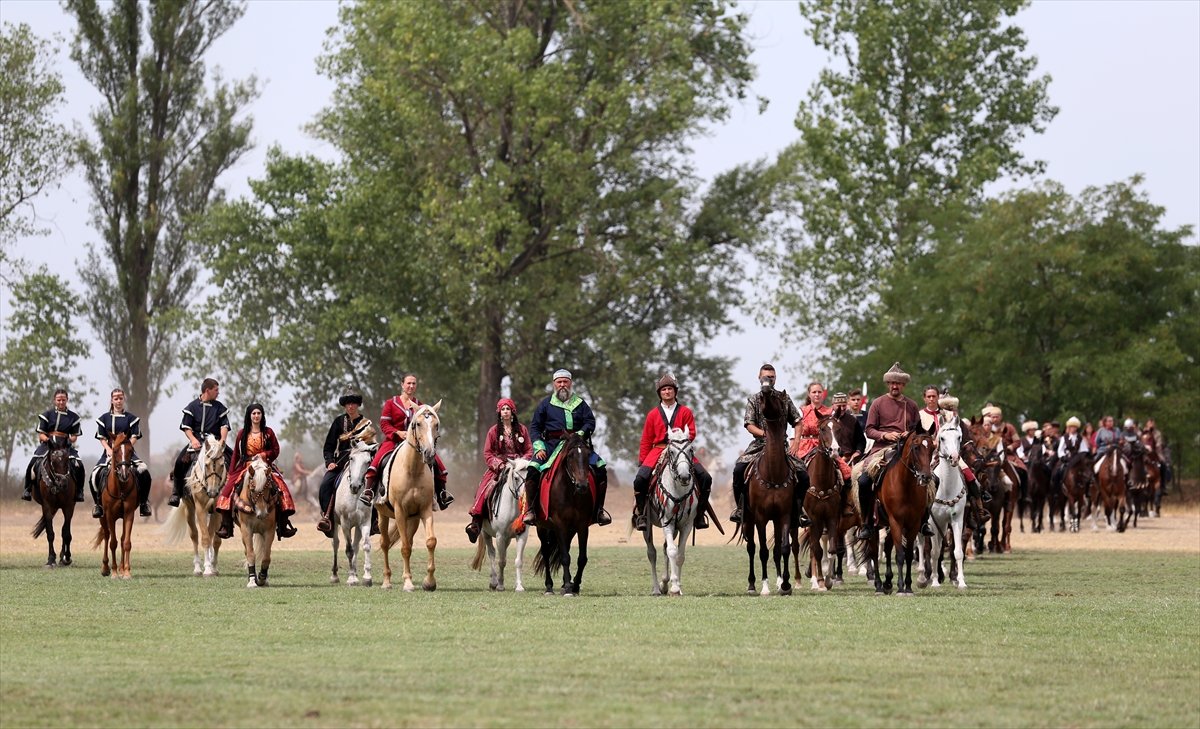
point(490, 375)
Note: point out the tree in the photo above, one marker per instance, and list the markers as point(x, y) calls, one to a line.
point(515, 197)
point(162, 139)
point(41, 351)
point(930, 104)
point(1053, 305)
point(32, 154)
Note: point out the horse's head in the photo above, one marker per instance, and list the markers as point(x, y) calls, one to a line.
point(827, 436)
point(121, 465)
point(916, 450)
point(576, 453)
point(774, 411)
point(424, 430)
point(210, 466)
point(59, 456)
point(949, 438)
point(258, 486)
point(680, 455)
point(357, 465)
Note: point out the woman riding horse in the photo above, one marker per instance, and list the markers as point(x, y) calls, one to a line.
point(508, 439)
point(109, 425)
point(255, 440)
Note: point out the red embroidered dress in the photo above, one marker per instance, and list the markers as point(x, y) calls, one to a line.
point(267, 444)
point(499, 449)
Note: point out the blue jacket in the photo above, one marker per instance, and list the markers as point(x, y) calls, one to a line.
point(205, 418)
point(109, 425)
point(553, 419)
point(52, 421)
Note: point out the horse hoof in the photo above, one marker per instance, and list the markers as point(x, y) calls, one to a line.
point(492, 586)
point(921, 583)
point(386, 586)
point(904, 594)
point(568, 593)
point(519, 588)
point(837, 582)
point(333, 579)
point(499, 588)
point(429, 586)
point(409, 587)
point(351, 582)
point(105, 573)
point(126, 577)
point(751, 591)
point(65, 562)
point(252, 583)
point(961, 587)
point(366, 582)
point(51, 565)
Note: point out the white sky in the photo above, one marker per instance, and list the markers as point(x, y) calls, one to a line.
point(1126, 76)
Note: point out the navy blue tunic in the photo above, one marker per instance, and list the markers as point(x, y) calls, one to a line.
point(109, 425)
point(205, 418)
point(552, 419)
point(54, 421)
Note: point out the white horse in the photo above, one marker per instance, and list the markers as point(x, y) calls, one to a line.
point(195, 514)
point(672, 505)
point(949, 505)
point(500, 522)
point(353, 516)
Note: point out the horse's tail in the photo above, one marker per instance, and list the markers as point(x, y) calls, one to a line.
point(549, 557)
point(477, 560)
point(40, 527)
point(101, 534)
point(176, 526)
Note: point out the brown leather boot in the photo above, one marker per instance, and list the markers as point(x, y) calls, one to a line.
point(474, 527)
point(225, 531)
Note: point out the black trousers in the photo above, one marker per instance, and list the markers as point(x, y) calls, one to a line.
point(328, 488)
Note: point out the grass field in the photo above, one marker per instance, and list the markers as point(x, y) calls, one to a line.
point(1041, 638)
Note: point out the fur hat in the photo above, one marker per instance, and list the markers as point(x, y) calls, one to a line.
point(948, 402)
point(839, 397)
point(895, 374)
point(990, 409)
point(1029, 425)
point(560, 372)
point(350, 395)
point(665, 381)
point(1073, 421)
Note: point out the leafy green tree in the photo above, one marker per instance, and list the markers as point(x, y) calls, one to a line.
point(41, 351)
point(515, 197)
point(32, 154)
point(163, 136)
point(928, 103)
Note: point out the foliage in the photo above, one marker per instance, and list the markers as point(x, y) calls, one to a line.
point(928, 103)
point(162, 138)
point(41, 351)
point(990, 656)
point(32, 153)
point(1052, 305)
point(515, 197)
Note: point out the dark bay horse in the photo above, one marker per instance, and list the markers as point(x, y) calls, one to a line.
point(119, 501)
point(571, 508)
point(904, 492)
point(1077, 481)
point(824, 501)
point(56, 492)
point(770, 495)
point(1038, 466)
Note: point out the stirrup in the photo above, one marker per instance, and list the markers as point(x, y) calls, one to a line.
point(174, 500)
point(803, 521)
point(736, 516)
point(27, 495)
point(866, 531)
point(701, 521)
point(367, 496)
point(985, 496)
point(444, 499)
point(325, 526)
point(529, 518)
point(926, 530)
point(639, 521)
point(473, 531)
point(144, 509)
point(602, 517)
point(285, 530)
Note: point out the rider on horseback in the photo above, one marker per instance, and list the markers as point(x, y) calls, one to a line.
point(204, 416)
point(555, 416)
point(999, 429)
point(756, 425)
point(853, 447)
point(506, 440)
point(109, 425)
point(1107, 439)
point(57, 422)
point(393, 421)
point(255, 440)
point(344, 432)
point(669, 413)
point(934, 404)
point(888, 420)
point(1069, 445)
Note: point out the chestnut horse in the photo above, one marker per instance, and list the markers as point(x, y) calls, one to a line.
point(571, 508)
point(904, 492)
point(823, 502)
point(119, 501)
point(56, 492)
point(256, 504)
point(410, 496)
point(770, 495)
point(1109, 493)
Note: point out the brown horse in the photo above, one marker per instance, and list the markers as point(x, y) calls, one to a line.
point(770, 495)
point(119, 501)
point(999, 479)
point(1110, 491)
point(1077, 481)
point(904, 494)
point(256, 504)
point(1154, 484)
point(571, 508)
point(824, 501)
point(1143, 478)
point(56, 492)
point(1038, 467)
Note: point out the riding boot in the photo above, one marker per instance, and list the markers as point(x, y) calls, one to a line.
point(639, 511)
point(802, 520)
point(474, 527)
point(374, 523)
point(77, 472)
point(975, 498)
point(144, 483)
point(866, 502)
point(602, 516)
point(325, 524)
point(178, 492)
point(533, 479)
point(284, 529)
point(225, 531)
point(739, 500)
point(704, 480)
point(926, 529)
point(94, 487)
point(27, 494)
point(368, 492)
point(1023, 481)
point(444, 498)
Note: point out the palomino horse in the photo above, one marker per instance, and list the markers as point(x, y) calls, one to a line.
point(570, 512)
point(410, 496)
point(56, 492)
point(904, 494)
point(353, 516)
point(823, 502)
point(256, 504)
point(119, 501)
point(1077, 482)
point(1038, 467)
point(502, 525)
point(1110, 491)
point(672, 505)
point(195, 516)
point(770, 496)
point(949, 507)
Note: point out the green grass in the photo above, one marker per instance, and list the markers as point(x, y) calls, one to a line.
point(1039, 639)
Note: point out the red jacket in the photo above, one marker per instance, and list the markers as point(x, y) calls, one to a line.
point(393, 419)
point(654, 432)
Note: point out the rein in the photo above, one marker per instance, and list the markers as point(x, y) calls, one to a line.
point(671, 513)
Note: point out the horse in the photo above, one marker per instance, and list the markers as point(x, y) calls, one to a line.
point(1154, 484)
point(1077, 480)
point(502, 525)
point(570, 512)
point(1141, 490)
point(824, 501)
point(1109, 493)
point(904, 493)
point(119, 501)
point(674, 499)
point(1038, 468)
point(770, 496)
point(195, 515)
point(255, 502)
point(353, 516)
point(949, 507)
point(56, 492)
point(410, 496)
point(998, 478)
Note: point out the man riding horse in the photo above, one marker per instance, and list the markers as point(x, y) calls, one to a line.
point(204, 416)
point(347, 429)
point(756, 424)
point(1070, 444)
point(62, 423)
point(393, 421)
point(558, 414)
point(108, 426)
point(889, 418)
point(668, 414)
point(999, 430)
point(935, 403)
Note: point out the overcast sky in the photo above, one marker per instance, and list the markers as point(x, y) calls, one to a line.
point(1126, 77)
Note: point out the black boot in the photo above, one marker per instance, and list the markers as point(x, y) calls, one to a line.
point(27, 494)
point(284, 528)
point(374, 523)
point(474, 527)
point(97, 509)
point(177, 493)
point(79, 481)
point(225, 531)
point(143, 478)
point(803, 521)
point(639, 512)
point(866, 502)
point(533, 481)
point(739, 494)
point(926, 528)
point(602, 516)
point(444, 498)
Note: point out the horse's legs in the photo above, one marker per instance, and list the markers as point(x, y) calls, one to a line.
point(652, 557)
point(190, 507)
point(407, 531)
point(64, 555)
point(815, 554)
point(519, 560)
point(248, 546)
point(333, 572)
point(126, 544)
point(545, 534)
point(582, 561)
point(564, 557)
point(500, 547)
point(763, 555)
point(748, 534)
point(208, 538)
point(671, 576)
point(351, 533)
point(430, 582)
point(385, 545)
point(363, 538)
point(888, 545)
point(676, 553)
point(956, 526)
point(48, 518)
